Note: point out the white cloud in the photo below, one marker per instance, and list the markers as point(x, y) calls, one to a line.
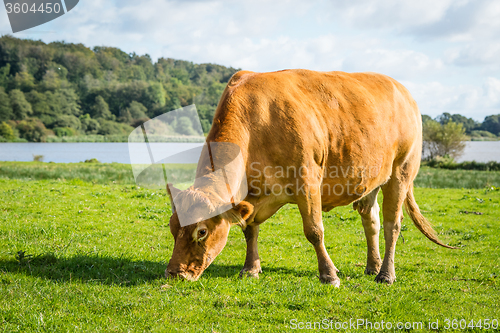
point(471, 101)
point(401, 64)
point(391, 14)
point(447, 51)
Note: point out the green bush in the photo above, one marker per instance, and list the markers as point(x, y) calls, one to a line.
point(112, 128)
point(450, 164)
point(88, 138)
point(32, 129)
point(6, 131)
point(482, 136)
point(64, 131)
point(442, 140)
point(68, 121)
point(89, 125)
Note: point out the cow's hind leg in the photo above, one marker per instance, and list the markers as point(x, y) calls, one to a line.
point(310, 210)
point(252, 261)
point(392, 210)
point(369, 210)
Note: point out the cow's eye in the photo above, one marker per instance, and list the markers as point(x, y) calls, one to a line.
point(202, 233)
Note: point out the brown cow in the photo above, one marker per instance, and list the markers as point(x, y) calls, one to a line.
point(318, 140)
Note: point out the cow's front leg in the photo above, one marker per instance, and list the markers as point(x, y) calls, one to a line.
point(310, 210)
point(252, 261)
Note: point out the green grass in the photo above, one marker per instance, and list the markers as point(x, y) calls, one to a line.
point(105, 173)
point(443, 178)
point(83, 256)
point(99, 173)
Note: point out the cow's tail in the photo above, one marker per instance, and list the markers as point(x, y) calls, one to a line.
point(420, 221)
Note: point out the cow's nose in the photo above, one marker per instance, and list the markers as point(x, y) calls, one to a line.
point(171, 273)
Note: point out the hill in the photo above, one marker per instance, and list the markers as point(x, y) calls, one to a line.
point(63, 89)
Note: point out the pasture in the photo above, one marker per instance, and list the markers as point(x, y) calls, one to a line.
point(84, 249)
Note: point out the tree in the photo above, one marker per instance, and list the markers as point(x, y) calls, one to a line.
point(68, 102)
point(6, 131)
point(89, 125)
point(43, 106)
point(64, 131)
point(469, 124)
point(442, 140)
point(492, 124)
point(24, 81)
point(425, 118)
point(20, 106)
point(156, 94)
point(137, 110)
point(51, 80)
point(69, 122)
point(5, 107)
point(101, 109)
point(184, 126)
point(125, 116)
point(32, 129)
point(4, 76)
point(113, 128)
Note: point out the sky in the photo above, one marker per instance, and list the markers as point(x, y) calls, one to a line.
point(447, 53)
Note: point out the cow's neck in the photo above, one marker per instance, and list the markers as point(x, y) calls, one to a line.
point(210, 178)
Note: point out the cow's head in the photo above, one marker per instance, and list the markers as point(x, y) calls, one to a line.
point(197, 245)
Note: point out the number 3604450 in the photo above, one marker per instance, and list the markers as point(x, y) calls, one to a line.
point(25, 8)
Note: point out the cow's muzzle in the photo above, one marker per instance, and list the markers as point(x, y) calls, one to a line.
point(177, 274)
point(173, 274)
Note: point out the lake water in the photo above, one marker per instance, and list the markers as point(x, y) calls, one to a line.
point(481, 151)
point(106, 152)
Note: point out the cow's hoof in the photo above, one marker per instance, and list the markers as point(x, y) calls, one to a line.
point(384, 277)
point(253, 273)
point(334, 281)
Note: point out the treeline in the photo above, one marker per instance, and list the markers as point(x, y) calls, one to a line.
point(489, 129)
point(66, 90)
point(444, 139)
point(63, 91)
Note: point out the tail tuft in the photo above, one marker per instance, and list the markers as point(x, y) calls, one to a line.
point(420, 221)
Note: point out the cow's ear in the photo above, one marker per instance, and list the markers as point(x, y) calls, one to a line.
point(172, 193)
point(245, 209)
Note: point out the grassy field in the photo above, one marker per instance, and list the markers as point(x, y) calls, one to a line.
point(106, 173)
point(89, 255)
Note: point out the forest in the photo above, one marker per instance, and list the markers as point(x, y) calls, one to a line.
point(63, 91)
point(69, 90)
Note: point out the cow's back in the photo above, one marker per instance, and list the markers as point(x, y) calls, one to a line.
point(355, 126)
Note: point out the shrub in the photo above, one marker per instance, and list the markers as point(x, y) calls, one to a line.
point(68, 121)
point(137, 110)
point(113, 128)
point(450, 164)
point(89, 125)
point(482, 135)
point(6, 131)
point(32, 129)
point(442, 140)
point(64, 131)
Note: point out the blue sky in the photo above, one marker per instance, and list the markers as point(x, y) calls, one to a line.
point(447, 53)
